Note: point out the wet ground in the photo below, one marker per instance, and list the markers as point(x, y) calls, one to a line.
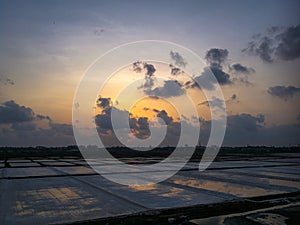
point(67, 190)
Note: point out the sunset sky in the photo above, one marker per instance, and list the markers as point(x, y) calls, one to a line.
point(253, 49)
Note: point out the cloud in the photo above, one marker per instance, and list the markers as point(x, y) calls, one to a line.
point(289, 45)
point(214, 103)
point(232, 99)
point(11, 112)
point(5, 80)
point(246, 129)
point(262, 48)
point(164, 115)
point(171, 88)
point(137, 66)
point(156, 110)
point(61, 128)
point(205, 80)
point(283, 92)
point(245, 122)
point(20, 126)
point(178, 59)
point(222, 77)
point(242, 129)
point(150, 69)
point(42, 117)
point(103, 102)
point(239, 68)
point(103, 120)
point(276, 44)
point(216, 56)
point(139, 126)
point(26, 126)
point(174, 70)
point(240, 74)
point(148, 83)
point(98, 32)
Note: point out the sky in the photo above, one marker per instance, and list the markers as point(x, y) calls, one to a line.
point(252, 48)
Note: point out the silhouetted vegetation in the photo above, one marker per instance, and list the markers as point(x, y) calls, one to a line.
point(122, 152)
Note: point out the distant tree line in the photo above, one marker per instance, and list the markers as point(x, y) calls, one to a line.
point(123, 152)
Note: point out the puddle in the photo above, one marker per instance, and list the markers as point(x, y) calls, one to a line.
point(259, 215)
point(73, 170)
point(224, 187)
point(268, 219)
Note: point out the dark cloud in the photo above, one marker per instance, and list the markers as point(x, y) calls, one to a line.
point(139, 126)
point(150, 69)
point(203, 79)
point(207, 82)
point(239, 68)
point(103, 102)
point(137, 66)
point(175, 70)
point(251, 131)
point(242, 129)
point(156, 110)
point(245, 122)
point(278, 43)
point(240, 74)
point(216, 56)
point(26, 126)
point(283, 92)
point(214, 103)
point(149, 82)
point(61, 128)
point(103, 120)
point(19, 126)
point(164, 115)
point(11, 112)
point(171, 88)
point(289, 45)
point(222, 77)
point(42, 117)
point(178, 59)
